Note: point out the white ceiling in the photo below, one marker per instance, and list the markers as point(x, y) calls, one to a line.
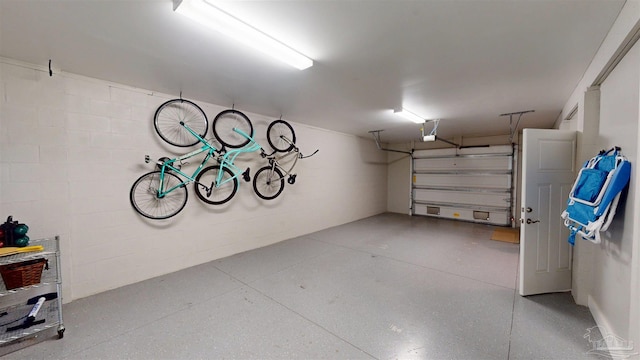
point(464, 62)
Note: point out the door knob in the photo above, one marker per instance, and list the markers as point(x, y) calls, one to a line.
point(529, 221)
point(529, 209)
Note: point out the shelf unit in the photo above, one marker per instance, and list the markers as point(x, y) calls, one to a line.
point(471, 184)
point(15, 304)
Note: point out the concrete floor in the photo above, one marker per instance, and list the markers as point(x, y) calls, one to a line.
point(386, 287)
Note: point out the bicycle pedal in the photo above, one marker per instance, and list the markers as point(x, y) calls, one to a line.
point(245, 175)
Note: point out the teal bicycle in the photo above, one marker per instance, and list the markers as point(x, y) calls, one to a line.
point(162, 193)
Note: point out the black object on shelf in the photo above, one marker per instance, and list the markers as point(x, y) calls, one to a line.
point(15, 233)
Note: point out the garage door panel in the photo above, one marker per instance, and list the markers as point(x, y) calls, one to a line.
point(473, 184)
point(463, 197)
point(490, 181)
point(487, 216)
point(463, 164)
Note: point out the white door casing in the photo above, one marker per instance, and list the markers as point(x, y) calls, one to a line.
point(548, 173)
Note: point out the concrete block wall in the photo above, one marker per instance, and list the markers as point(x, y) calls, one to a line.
point(71, 147)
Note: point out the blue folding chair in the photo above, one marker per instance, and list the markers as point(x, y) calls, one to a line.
point(595, 194)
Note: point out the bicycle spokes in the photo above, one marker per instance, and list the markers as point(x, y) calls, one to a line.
point(223, 185)
point(281, 136)
point(268, 183)
point(170, 118)
point(150, 200)
point(225, 124)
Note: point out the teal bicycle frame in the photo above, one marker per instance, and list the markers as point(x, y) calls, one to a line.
point(225, 158)
point(168, 164)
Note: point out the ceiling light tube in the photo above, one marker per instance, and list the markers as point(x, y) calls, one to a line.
point(409, 116)
point(204, 12)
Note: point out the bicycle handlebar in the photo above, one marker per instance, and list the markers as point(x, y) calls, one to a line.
point(315, 152)
point(264, 154)
point(295, 148)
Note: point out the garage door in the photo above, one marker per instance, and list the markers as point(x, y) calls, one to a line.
point(472, 184)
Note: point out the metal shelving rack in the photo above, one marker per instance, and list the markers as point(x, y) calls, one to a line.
point(15, 304)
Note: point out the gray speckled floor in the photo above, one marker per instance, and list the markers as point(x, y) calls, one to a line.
point(386, 287)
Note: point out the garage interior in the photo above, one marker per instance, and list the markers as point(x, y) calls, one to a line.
point(373, 252)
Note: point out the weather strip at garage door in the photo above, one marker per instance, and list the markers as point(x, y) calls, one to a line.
point(472, 184)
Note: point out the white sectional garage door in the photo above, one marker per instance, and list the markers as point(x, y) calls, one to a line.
point(473, 184)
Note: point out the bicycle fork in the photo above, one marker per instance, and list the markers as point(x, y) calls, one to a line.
point(272, 176)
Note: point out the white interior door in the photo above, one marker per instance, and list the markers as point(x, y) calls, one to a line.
point(548, 173)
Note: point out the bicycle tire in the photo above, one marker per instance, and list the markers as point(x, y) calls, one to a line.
point(266, 188)
point(144, 196)
point(219, 195)
point(277, 129)
point(168, 117)
point(225, 122)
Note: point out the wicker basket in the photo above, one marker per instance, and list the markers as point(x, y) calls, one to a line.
point(23, 273)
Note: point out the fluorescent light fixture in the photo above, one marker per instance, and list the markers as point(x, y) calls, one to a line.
point(204, 12)
point(409, 115)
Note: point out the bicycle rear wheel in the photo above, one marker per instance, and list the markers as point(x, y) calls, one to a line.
point(223, 126)
point(145, 200)
point(268, 184)
point(215, 195)
point(169, 116)
point(277, 132)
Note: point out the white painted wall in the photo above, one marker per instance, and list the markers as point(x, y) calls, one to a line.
point(634, 310)
point(610, 295)
point(399, 180)
point(71, 147)
point(606, 276)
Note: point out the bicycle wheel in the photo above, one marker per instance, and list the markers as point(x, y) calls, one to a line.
point(268, 184)
point(169, 116)
point(223, 126)
point(277, 132)
point(215, 195)
point(145, 200)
